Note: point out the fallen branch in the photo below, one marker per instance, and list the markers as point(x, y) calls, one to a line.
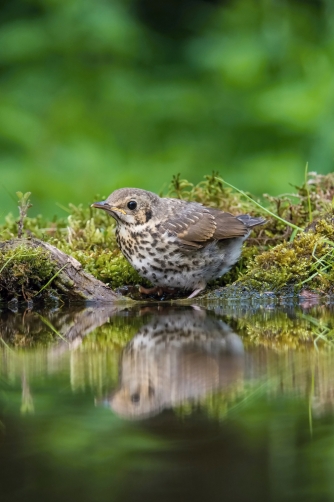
point(68, 279)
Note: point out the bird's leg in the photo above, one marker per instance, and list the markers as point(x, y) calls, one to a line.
point(195, 293)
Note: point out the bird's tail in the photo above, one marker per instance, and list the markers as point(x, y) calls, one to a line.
point(250, 221)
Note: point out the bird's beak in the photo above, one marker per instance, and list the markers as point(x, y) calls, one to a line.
point(100, 205)
point(104, 205)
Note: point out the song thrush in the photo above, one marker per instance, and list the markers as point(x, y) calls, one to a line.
point(174, 243)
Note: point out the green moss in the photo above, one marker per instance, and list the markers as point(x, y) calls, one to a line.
point(269, 261)
point(23, 272)
point(307, 261)
point(91, 240)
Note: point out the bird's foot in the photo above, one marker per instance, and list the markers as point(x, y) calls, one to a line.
point(156, 290)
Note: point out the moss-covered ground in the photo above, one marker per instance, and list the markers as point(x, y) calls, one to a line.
point(294, 253)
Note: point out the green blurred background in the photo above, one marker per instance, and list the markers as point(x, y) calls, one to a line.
point(100, 94)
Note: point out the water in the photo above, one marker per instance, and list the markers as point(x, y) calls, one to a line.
point(230, 403)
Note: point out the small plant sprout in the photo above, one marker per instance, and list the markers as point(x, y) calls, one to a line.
point(24, 205)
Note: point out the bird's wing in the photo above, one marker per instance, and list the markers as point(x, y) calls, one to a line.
point(194, 226)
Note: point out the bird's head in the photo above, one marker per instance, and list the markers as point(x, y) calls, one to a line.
point(130, 205)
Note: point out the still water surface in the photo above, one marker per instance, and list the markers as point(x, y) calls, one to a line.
point(229, 403)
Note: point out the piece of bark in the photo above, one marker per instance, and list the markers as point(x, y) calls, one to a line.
point(73, 282)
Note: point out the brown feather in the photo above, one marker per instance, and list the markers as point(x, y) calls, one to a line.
point(195, 226)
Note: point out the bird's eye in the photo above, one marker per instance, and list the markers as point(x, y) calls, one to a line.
point(135, 398)
point(132, 205)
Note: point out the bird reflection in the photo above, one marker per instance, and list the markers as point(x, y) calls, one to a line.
point(177, 357)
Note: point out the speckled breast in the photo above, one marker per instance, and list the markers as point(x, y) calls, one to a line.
point(157, 258)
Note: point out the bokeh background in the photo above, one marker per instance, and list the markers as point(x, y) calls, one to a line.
point(100, 94)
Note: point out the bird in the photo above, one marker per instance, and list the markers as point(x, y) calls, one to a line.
point(175, 243)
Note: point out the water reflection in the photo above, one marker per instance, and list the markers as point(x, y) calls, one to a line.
point(141, 361)
point(30, 327)
point(236, 404)
point(177, 357)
